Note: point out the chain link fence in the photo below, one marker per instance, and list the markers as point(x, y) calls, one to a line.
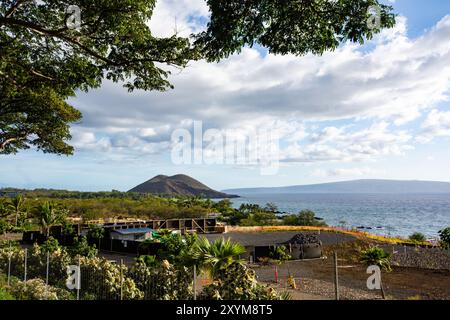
point(99, 279)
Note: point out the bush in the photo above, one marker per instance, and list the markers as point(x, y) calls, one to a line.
point(417, 237)
point(4, 227)
point(444, 234)
point(238, 282)
point(148, 260)
point(81, 247)
point(37, 263)
point(279, 253)
point(164, 282)
point(9, 244)
point(36, 289)
point(50, 245)
point(101, 279)
point(376, 256)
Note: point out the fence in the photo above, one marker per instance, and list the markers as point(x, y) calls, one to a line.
point(100, 279)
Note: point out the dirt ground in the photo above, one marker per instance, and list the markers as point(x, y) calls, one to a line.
point(315, 280)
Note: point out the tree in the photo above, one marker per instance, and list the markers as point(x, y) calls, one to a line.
point(49, 215)
point(298, 27)
point(303, 218)
point(218, 255)
point(444, 234)
point(16, 205)
point(44, 59)
point(4, 212)
point(376, 256)
point(417, 237)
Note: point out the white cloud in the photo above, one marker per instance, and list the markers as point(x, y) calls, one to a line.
point(437, 124)
point(391, 81)
point(346, 145)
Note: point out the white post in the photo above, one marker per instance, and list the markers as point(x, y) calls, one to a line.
point(336, 277)
point(48, 267)
point(25, 267)
point(9, 268)
point(78, 280)
point(195, 282)
point(121, 279)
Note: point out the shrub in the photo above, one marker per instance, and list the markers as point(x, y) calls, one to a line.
point(376, 256)
point(279, 253)
point(148, 260)
point(50, 245)
point(37, 263)
point(9, 244)
point(36, 289)
point(238, 282)
point(4, 226)
point(58, 262)
point(81, 247)
point(417, 237)
point(102, 279)
point(164, 282)
point(444, 235)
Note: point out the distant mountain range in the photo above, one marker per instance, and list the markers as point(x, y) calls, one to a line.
point(356, 186)
point(181, 185)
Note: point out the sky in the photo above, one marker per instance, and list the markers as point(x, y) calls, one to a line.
point(381, 110)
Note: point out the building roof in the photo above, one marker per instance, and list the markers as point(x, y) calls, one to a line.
point(133, 230)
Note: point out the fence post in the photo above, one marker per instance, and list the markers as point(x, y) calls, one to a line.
point(48, 267)
point(25, 268)
point(276, 274)
point(383, 295)
point(195, 282)
point(78, 280)
point(336, 277)
point(9, 267)
point(121, 279)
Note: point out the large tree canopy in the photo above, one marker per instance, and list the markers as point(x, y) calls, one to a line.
point(290, 26)
point(43, 61)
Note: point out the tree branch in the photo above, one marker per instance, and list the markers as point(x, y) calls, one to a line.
point(14, 7)
point(9, 141)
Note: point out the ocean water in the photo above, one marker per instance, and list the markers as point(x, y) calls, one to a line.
point(386, 214)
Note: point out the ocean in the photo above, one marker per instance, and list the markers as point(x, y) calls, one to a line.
point(383, 214)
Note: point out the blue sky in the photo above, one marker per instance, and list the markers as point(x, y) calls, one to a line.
point(380, 111)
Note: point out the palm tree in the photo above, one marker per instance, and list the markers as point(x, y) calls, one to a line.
point(3, 210)
point(376, 256)
point(16, 207)
point(218, 255)
point(49, 215)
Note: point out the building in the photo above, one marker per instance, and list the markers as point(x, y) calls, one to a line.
point(131, 234)
point(9, 194)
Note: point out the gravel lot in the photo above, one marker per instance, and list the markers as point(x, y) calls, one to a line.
point(425, 258)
